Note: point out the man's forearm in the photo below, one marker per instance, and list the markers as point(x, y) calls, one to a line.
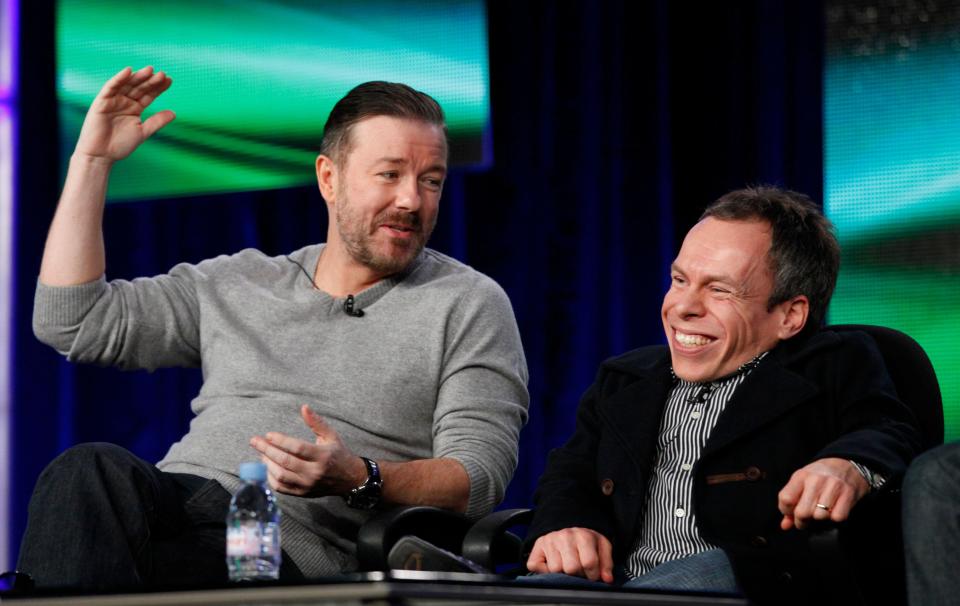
point(437, 482)
point(74, 252)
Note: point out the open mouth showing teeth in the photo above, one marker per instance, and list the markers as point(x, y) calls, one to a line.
point(692, 340)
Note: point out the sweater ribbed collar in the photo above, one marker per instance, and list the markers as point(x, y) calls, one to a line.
point(362, 299)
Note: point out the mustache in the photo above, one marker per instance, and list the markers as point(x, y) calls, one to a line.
point(401, 219)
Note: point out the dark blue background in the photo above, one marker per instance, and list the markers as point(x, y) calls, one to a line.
point(614, 124)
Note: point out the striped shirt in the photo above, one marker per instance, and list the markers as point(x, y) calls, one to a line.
point(669, 530)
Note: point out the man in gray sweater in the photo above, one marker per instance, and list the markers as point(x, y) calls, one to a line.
point(365, 372)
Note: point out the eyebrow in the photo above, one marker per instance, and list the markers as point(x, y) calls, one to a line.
point(727, 279)
point(402, 161)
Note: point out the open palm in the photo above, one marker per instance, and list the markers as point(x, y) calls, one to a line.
point(113, 127)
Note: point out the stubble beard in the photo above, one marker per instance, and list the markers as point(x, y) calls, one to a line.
point(358, 239)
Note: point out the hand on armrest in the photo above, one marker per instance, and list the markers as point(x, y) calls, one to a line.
point(826, 489)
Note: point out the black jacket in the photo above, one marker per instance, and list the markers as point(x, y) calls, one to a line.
point(825, 396)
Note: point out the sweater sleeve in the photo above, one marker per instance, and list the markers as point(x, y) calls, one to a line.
point(482, 401)
point(145, 323)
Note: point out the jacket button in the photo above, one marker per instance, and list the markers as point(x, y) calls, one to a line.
point(606, 487)
point(758, 541)
point(753, 473)
point(785, 577)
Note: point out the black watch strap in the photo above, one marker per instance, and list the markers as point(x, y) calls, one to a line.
point(367, 495)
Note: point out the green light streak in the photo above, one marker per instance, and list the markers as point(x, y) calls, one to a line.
point(257, 79)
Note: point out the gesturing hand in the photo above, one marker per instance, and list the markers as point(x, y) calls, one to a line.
point(113, 128)
point(826, 488)
point(325, 467)
point(575, 551)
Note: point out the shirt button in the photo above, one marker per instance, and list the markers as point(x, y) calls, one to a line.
point(606, 487)
point(679, 512)
point(686, 466)
point(695, 414)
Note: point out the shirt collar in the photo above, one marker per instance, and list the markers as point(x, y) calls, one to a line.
point(744, 369)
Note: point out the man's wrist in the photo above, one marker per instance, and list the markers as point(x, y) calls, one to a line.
point(874, 480)
point(81, 159)
point(367, 494)
point(357, 474)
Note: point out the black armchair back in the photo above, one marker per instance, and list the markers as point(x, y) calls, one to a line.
point(861, 561)
point(913, 376)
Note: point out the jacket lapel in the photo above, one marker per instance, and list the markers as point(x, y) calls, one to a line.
point(632, 414)
point(769, 391)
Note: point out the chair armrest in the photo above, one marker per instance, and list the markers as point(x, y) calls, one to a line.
point(488, 541)
point(377, 536)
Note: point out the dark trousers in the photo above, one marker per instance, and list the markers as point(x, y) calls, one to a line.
point(931, 527)
point(101, 518)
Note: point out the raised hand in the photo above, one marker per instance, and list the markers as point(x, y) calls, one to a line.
point(113, 127)
point(325, 467)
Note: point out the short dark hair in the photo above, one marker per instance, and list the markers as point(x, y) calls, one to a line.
point(804, 253)
point(371, 99)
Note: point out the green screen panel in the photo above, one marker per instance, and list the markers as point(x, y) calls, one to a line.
point(255, 81)
point(892, 174)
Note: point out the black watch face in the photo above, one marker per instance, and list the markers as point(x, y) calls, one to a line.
point(365, 497)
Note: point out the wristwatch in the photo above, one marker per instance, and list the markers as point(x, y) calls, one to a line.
point(367, 495)
point(874, 479)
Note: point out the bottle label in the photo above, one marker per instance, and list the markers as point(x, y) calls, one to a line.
point(245, 540)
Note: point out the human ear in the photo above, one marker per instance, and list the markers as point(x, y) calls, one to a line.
point(327, 178)
point(795, 313)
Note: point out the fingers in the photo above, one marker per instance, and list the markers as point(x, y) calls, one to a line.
point(790, 494)
point(537, 560)
point(573, 551)
point(141, 86)
point(283, 457)
point(560, 552)
point(317, 425)
point(606, 560)
point(284, 451)
point(806, 508)
point(825, 504)
point(787, 522)
point(589, 559)
point(842, 506)
point(148, 90)
point(125, 80)
point(596, 558)
point(325, 466)
point(156, 122)
point(824, 489)
point(118, 81)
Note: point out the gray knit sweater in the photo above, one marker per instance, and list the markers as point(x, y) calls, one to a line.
point(434, 368)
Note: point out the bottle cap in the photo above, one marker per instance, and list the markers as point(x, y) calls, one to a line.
point(253, 471)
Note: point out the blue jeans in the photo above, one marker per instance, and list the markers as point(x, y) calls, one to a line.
point(931, 527)
point(708, 571)
point(100, 518)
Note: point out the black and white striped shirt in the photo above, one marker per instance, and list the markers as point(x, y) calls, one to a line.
point(669, 529)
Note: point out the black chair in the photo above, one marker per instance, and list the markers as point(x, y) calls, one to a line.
point(913, 376)
point(379, 535)
point(876, 529)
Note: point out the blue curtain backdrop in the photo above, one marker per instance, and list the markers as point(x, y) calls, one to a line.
point(614, 123)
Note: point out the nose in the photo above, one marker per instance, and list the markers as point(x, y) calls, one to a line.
point(408, 195)
point(688, 302)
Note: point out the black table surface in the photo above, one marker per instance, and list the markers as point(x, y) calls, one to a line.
point(395, 588)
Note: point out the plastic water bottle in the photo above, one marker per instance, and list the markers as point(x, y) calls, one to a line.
point(253, 528)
